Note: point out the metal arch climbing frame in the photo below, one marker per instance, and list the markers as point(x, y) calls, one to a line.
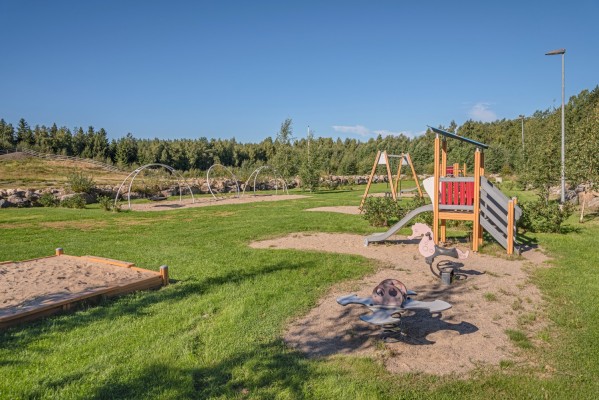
point(257, 172)
point(136, 172)
point(230, 173)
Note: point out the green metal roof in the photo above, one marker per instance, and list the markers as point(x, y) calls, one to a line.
point(463, 139)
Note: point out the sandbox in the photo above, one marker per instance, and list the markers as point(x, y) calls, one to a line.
point(44, 286)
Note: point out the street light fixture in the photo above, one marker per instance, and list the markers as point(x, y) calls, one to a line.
point(563, 53)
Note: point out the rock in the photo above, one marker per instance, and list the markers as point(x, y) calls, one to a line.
point(593, 204)
point(5, 203)
point(18, 201)
point(571, 196)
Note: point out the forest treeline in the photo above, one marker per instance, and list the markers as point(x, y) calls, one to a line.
point(534, 155)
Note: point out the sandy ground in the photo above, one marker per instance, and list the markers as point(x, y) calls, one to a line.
point(496, 295)
point(340, 209)
point(29, 284)
point(175, 204)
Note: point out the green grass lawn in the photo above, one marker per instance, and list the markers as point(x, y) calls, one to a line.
point(216, 331)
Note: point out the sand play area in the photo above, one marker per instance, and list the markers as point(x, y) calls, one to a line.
point(31, 285)
point(496, 296)
point(175, 204)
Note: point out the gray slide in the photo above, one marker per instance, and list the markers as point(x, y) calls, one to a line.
point(379, 237)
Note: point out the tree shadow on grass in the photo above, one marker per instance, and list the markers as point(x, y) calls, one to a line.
point(139, 305)
point(264, 371)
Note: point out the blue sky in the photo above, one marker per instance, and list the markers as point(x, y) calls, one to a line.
point(223, 69)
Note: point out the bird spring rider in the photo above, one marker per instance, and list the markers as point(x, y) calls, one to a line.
point(446, 270)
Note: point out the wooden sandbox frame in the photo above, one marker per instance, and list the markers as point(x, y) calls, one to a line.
point(157, 280)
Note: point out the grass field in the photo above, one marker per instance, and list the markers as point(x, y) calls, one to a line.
point(216, 331)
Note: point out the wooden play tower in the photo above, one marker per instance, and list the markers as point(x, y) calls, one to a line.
point(474, 198)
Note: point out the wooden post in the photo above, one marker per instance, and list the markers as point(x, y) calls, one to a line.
point(481, 173)
point(464, 170)
point(435, 198)
point(164, 274)
point(456, 169)
point(398, 176)
point(390, 176)
point(510, 227)
point(476, 223)
point(444, 173)
point(59, 251)
point(409, 159)
point(376, 162)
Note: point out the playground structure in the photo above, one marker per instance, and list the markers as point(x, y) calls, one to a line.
point(234, 178)
point(131, 177)
point(254, 177)
point(382, 158)
point(464, 198)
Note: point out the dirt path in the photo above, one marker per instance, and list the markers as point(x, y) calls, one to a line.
point(497, 295)
point(208, 202)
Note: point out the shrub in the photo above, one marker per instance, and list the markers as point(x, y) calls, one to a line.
point(425, 218)
point(47, 199)
point(379, 211)
point(80, 183)
point(74, 201)
point(544, 215)
point(107, 204)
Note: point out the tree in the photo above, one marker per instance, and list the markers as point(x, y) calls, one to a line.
point(126, 150)
point(310, 167)
point(79, 142)
point(100, 144)
point(283, 159)
point(24, 134)
point(7, 135)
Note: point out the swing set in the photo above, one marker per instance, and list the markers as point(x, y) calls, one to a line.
point(382, 158)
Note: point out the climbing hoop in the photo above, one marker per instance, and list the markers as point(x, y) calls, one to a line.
point(255, 174)
point(135, 173)
point(229, 172)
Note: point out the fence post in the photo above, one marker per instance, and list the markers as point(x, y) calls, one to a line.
point(510, 227)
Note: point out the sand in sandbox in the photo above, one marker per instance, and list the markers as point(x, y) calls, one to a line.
point(28, 285)
point(208, 202)
point(496, 295)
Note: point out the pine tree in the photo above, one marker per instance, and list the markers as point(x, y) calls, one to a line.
point(24, 134)
point(7, 135)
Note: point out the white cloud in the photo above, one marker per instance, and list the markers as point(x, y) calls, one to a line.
point(353, 129)
point(482, 112)
point(414, 134)
point(384, 132)
point(363, 131)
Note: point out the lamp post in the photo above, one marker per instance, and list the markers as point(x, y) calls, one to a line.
point(563, 53)
point(522, 118)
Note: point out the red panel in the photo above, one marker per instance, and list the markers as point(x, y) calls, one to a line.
point(456, 193)
point(470, 193)
point(443, 184)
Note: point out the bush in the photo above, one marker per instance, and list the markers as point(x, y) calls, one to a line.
point(74, 201)
point(544, 215)
point(47, 199)
point(78, 182)
point(379, 211)
point(425, 218)
point(107, 204)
